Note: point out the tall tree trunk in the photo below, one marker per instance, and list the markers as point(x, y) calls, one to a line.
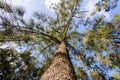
point(61, 67)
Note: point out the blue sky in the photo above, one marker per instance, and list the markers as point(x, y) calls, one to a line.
point(44, 6)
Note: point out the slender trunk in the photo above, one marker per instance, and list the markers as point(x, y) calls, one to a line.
point(61, 67)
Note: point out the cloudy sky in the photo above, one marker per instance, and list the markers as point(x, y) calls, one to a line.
point(34, 5)
point(44, 6)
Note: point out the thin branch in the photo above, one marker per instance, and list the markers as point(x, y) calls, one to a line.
point(67, 24)
point(75, 51)
point(56, 30)
point(47, 47)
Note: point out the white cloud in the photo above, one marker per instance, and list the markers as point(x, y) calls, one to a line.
point(27, 1)
point(48, 3)
point(19, 2)
point(89, 5)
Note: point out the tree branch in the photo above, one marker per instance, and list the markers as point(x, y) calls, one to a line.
point(67, 24)
point(41, 33)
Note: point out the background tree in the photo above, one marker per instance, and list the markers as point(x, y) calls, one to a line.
point(20, 66)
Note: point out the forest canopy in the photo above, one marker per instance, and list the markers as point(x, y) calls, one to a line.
point(27, 46)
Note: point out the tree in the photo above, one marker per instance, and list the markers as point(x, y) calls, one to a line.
point(17, 66)
point(91, 48)
point(61, 36)
point(61, 67)
point(104, 40)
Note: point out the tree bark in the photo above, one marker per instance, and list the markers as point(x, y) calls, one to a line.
point(61, 67)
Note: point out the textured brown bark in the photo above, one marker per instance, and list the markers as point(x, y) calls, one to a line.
point(61, 67)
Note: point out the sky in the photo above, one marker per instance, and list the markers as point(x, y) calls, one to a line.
point(35, 5)
point(44, 6)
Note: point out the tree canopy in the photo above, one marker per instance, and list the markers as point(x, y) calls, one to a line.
point(95, 52)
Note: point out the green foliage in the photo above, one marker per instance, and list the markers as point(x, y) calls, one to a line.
point(117, 20)
point(81, 73)
point(97, 75)
point(116, 75)
point(107, 5)
point(44, 33)
point(18, 66)
point(99, 39)
point(112, 60)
